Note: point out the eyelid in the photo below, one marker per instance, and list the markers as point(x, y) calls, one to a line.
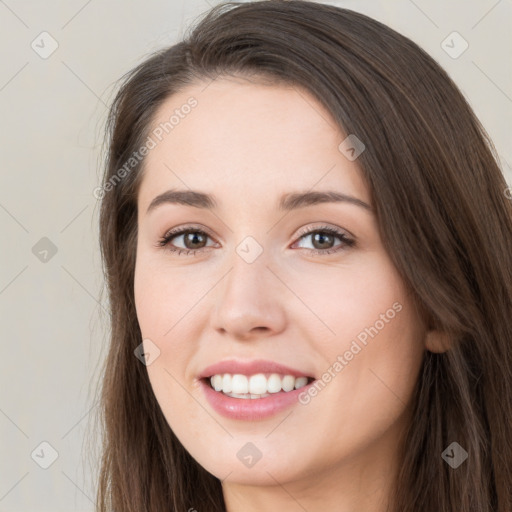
point(308, 229)
point(188, 227)
point(301, 232)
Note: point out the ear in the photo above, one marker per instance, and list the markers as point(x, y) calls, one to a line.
point(437, 341)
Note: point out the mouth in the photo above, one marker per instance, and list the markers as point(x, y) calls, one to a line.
point(256, 386)
point(253, 390)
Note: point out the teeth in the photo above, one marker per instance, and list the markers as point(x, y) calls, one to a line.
point(288, 383)
point(255, 386)
point(246, 395)
point(258, 384)
point(239, 384)
point(216, 382)
point(226, 383)
point(274, 383)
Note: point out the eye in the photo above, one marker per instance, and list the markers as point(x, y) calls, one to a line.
point(195, 239)
point(323, 238)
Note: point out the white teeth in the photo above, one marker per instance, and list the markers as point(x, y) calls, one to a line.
point(226, 383)
point(288, 383)
point(217, 382)
point(255, 386)
point(239, 384)
point(274, 383)
point(246, 395)
point(258, 384)
point(301, 382)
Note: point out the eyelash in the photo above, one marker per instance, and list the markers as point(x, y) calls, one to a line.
point(346, 241)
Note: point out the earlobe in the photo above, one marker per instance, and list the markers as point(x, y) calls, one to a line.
point(437, 341)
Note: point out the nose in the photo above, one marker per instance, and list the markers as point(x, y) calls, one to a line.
point(249, 300)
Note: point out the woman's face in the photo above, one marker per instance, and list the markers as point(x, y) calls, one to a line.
point(269, 286)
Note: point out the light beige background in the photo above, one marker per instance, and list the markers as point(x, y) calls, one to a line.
point(53, 326)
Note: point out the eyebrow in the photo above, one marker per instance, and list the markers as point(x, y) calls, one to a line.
point(287, 202)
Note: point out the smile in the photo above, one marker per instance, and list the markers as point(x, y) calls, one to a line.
point(256, 386)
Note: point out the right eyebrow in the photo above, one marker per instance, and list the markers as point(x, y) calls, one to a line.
point(186, 197)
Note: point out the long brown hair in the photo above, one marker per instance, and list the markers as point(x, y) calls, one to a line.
point(444, 219)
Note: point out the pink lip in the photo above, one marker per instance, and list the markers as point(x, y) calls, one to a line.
point(250, 409)
point(250, 368)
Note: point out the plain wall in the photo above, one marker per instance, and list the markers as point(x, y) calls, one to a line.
point(53, 109)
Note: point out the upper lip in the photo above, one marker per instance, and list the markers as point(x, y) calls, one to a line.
point(250, 368)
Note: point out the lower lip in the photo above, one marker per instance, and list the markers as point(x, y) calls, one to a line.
point(251, 409)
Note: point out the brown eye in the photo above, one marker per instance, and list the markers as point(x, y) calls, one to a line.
point(194, 239)
point(323, 240)
point(186, 241)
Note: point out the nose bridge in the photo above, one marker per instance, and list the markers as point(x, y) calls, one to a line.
point(247, 297)
point(248, 277)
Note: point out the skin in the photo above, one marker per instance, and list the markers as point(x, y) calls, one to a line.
point(248, 143)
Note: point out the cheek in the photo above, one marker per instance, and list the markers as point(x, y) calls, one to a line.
point(158, 314)
point(373, 358)
point(166, 303)
point(379, 334)
point(153, 291)
point(166, 298)
point(377, 376)
point(346, 301)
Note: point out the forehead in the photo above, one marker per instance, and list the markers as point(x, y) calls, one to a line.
point(242, 136)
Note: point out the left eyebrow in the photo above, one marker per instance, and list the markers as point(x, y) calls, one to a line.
point(290, 201)
point(301, 199)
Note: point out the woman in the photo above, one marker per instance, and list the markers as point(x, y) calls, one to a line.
point(308, 249)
